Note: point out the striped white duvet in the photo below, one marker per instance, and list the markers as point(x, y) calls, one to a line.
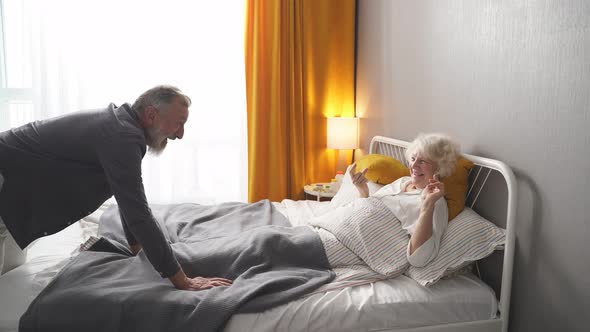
point(369, 229)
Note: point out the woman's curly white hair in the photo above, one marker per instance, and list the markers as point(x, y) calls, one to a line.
point(438, 148)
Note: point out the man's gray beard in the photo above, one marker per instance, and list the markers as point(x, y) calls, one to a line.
point(156, 151)
point(151, 139)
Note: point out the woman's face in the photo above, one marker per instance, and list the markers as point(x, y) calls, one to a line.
point(422, 170)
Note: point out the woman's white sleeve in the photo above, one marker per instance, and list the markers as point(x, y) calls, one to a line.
point(429, 249)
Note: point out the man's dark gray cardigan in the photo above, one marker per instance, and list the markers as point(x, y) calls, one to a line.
point(60, 170)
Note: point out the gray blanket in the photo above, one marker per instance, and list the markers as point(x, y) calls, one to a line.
point(270, 263)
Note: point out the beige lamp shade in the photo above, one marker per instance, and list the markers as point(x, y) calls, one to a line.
point(343, 133)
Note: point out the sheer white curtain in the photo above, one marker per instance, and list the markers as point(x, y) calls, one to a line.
point(61, 56)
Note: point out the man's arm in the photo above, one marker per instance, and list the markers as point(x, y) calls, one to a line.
point(181, 281)
point(135, 248)
point(122, 165)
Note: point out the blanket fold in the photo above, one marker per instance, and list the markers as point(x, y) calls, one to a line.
point(270, 263)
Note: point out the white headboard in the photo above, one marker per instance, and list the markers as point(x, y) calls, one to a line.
point(478, 183)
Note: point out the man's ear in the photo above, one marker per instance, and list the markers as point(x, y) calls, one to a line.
point(149, 116)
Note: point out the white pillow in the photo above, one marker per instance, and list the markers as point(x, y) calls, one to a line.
point(469, 237)
point(348, 192)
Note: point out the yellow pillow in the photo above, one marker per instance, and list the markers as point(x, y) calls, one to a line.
point(382, 169)
point(456, 187)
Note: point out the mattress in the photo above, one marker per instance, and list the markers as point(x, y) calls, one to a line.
point(389, 304)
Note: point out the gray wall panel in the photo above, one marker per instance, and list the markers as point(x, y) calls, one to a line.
point(510, 81)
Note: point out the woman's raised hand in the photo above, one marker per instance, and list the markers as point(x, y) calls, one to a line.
point(434, 190)
point(359, 180)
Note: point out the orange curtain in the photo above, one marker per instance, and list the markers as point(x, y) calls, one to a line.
point(299, 70)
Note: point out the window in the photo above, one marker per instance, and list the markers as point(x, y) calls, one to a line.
point(16, 106)
point(53, 62)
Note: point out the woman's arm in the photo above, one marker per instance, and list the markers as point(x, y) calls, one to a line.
point(424, 229)
point(421, 255)
point(359, 180)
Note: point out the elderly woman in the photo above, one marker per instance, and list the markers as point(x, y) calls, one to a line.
point(418, 200)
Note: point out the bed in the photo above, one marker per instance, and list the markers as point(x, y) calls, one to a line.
point(476, 301)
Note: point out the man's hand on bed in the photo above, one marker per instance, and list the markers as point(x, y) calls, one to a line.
point(181, 281)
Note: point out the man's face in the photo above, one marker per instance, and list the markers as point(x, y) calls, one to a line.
point(169, 124)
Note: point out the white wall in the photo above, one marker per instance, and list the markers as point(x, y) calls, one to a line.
point(511, 81)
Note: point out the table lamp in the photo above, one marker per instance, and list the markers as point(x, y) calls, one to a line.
point(343, 134)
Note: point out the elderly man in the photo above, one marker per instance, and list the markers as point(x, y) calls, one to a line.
point(59, 170)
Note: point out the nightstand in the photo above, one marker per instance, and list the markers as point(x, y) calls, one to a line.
point(318, 190)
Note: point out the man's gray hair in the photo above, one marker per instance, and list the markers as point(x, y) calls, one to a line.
point(159, 96)
point(436, 147)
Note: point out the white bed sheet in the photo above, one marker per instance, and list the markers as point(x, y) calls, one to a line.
point(389, 304)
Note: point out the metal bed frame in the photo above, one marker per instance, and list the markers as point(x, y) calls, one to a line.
point(478, 178)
